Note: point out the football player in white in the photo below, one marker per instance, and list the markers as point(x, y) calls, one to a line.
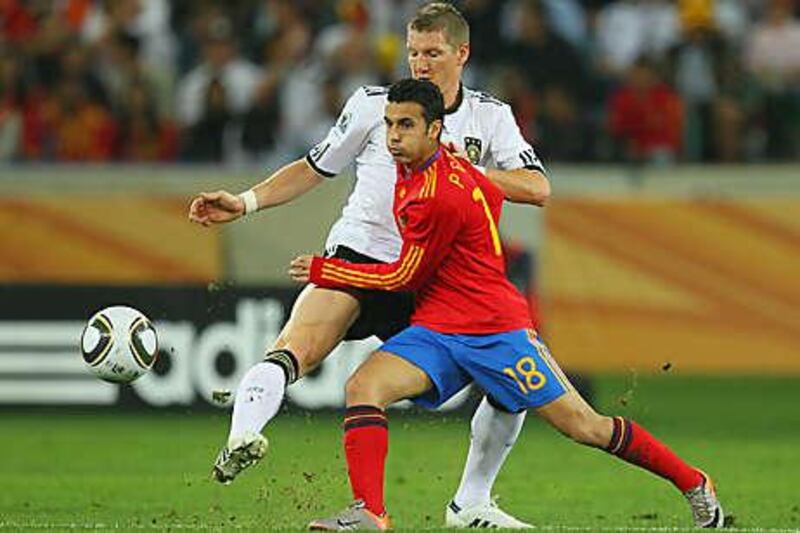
point(477, 125)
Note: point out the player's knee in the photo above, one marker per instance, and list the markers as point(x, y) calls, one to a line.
point(308, 350)
point(360, 390)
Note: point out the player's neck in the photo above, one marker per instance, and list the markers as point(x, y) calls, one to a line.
point(452, 98)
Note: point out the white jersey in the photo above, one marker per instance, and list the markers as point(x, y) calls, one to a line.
point(481, 125)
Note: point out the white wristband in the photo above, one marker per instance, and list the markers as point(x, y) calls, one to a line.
point(250, 201)
point(481, 169)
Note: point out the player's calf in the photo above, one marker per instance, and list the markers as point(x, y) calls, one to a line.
point(574, 418)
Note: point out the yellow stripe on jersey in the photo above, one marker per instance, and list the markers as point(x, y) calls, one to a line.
point(358, 279)
point(407, 260)
point(429, 189)
point(361, 280)
point(351, 281)
point(424, 190)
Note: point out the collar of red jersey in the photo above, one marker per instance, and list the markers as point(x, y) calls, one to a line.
point(408, 172)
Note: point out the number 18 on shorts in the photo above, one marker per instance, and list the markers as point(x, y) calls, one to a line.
point(514, 368)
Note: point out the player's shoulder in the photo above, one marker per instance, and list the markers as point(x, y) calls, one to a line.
point(484, 101)
point(374, 90)
point(370, 94)
point(367, 102)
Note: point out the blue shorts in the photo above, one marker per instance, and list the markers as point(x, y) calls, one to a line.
point(514, 368)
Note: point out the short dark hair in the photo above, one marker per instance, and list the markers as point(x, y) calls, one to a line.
point(422, 92)
point(442, 16)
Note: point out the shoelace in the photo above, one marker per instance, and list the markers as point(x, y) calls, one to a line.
point(224, 455)
point(234, 463)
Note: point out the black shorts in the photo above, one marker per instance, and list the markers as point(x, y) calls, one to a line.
point(383, 313)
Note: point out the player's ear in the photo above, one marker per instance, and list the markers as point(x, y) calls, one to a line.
point(463, 54)
point(435, 130)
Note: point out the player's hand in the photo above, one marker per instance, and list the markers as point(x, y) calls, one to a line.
point(209, 208)
point(300, 268)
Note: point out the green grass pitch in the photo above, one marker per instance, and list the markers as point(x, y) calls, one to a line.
point(107, 470)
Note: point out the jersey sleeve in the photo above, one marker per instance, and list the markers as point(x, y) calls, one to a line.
point(345, 140)
point(430, 228)
point(509, 147)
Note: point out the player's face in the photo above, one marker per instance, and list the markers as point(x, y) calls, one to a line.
point(431, 57)
point(409, 139)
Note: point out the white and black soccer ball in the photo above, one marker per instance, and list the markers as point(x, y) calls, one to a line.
point(119, 344)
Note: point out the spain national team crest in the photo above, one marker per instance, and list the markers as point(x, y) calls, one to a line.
point(472, 146)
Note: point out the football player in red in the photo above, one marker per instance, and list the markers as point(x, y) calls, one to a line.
point(469, 324)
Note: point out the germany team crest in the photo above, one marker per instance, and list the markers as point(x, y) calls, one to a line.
point(472, 146)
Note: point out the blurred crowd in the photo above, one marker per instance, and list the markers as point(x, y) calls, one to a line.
point(259, 81)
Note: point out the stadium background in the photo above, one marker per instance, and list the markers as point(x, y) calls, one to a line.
point(664, 270)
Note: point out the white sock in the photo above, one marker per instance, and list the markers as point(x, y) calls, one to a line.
point(494, 432)
point(258, 398)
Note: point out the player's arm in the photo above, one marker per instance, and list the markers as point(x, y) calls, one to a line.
point(325, 160)
point(520, 174)
point(429, 231)
point(288, 183)
point(521, 185)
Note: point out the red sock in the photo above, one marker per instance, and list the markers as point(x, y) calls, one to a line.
point(632, 443)
point(366, 441)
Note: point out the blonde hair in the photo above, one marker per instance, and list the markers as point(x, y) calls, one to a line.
point(442, 16)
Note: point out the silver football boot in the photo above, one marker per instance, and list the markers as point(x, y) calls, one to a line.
point(706, 508)
point(354, 517)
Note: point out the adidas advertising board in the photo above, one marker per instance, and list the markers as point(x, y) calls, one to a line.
point(208, 337)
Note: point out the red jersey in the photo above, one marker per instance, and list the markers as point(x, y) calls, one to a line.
point(447, 213)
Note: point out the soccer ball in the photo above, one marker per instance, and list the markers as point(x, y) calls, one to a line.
point(119, 344)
